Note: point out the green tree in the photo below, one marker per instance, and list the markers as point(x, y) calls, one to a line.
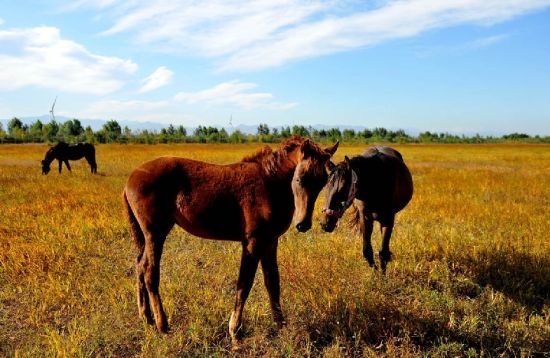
point(111, 130)
point(427, 137)
point(171, 131)
point(71, 128)
point(300, 130)
point(366, 134)
point(36, 129)
point(334, 134)
point(50, 130)
point(15, 126)
point(515, 136)
point(181, 132)
point(380, 133)
point(89, 135)
point(348, 135)
point(237, 137)
point(223, 136)
point(263, 129)
point(285, 132)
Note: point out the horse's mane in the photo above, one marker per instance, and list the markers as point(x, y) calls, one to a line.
point(272, 160)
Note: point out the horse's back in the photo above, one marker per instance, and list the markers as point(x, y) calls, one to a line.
point(383, 150)
point(395, 179)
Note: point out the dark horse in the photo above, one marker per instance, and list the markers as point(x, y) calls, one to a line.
point(379, 184)
point(64, 152)
point(252, 201)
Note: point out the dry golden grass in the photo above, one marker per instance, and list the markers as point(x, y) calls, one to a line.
point(470, 276)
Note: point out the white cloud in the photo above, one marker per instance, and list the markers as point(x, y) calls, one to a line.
point(235, 93)
point(40, 57)
point(487, 41)
point(245, 35)
point(159, 78)
point(458, 49)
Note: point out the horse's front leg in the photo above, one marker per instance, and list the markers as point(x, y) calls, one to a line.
point(60, 165)
point(386, 228)
point(365, 227)
point(247, 271)
point(270, 269)
point(67, 164)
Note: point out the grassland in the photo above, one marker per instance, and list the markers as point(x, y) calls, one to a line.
point(470, 276)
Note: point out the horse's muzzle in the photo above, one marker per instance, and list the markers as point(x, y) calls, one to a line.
point(329, 220)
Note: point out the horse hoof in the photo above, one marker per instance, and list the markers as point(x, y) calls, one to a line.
point(148, 319)
point(374, 267)
point(163, 328)
point(281, 324)
point(236, 343)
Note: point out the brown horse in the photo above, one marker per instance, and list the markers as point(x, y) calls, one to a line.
point(379, 185)
point(252, 201)
point(64, 152)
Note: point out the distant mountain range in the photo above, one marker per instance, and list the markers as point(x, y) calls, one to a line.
point(97, 124)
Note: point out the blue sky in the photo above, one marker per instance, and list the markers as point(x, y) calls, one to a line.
point(460, 66)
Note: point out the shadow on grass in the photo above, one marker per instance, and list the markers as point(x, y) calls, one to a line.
point(378, 327)
point(522, 277)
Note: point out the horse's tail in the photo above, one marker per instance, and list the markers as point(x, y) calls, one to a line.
point(137, 233)
point(90, 156)
point(89, 150)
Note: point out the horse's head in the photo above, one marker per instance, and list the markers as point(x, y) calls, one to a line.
point(50, 155)
point(340, 192)
point(45, 167)
point(310, 176)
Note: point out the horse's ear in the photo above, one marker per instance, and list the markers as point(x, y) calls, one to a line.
point(348, 162)
point(332, 150)
point(329, 165)
point(306, 149)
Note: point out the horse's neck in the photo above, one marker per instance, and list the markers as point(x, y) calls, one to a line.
point(50, 157)
point(284, 171)
point(358, 165)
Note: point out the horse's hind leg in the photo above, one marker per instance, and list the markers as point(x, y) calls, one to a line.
point(151, 270)
point(386, 228)
point(142, 294)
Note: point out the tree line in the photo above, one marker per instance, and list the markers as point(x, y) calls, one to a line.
point(72, 131)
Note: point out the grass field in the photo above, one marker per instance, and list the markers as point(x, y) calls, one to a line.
point(470, 275)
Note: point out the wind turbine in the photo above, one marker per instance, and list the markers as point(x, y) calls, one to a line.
point(52, 115)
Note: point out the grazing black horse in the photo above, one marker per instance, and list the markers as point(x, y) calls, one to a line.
point(64, 152)
point(379, 185)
